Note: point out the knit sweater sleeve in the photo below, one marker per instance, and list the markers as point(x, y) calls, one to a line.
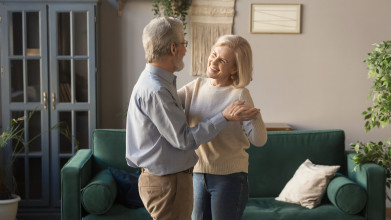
point(255, 129)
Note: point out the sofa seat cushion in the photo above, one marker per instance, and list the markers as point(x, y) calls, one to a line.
point(120, 212)
point(271, 209)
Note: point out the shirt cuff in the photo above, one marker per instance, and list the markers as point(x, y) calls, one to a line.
point(219, 121)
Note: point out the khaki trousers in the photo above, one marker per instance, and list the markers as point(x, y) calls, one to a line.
point(168, 197)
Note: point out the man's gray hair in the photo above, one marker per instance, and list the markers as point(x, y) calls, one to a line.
point(158, 36)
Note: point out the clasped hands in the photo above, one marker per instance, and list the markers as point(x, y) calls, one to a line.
point(238, 111)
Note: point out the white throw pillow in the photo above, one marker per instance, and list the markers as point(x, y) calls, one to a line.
point(308, 184)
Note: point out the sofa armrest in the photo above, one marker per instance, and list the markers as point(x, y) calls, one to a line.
point(75, 174)
point(372, 177)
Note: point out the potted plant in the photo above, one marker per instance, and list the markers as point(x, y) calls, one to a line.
point(15, 133)
point(8, 199)
point(172, 8)
point(379, 115)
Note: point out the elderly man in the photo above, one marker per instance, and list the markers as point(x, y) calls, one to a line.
point(158, 138)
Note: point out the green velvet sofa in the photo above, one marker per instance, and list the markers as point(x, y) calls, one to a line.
point(270, 168)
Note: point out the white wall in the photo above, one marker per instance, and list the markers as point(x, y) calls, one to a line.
point(313, 80)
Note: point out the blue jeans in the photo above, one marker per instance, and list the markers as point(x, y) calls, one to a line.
point(219, 197)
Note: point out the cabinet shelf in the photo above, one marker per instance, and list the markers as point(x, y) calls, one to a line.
point(33, 52)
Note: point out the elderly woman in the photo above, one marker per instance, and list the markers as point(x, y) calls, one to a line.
point(220, 175)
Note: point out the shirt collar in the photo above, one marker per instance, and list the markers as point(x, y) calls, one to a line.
point(161, 73)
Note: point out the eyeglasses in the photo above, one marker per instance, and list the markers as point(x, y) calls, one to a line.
point(184, 43)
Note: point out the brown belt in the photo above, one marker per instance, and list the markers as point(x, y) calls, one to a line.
point(189, 171)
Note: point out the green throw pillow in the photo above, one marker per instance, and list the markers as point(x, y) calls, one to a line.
point(347, 195)
point(99, 195)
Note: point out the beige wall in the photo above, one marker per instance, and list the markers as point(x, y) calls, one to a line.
point(313, 80)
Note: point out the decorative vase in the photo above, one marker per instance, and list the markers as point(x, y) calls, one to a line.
point(9, 208)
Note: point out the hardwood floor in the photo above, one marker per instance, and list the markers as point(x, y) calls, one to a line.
point(388, 214)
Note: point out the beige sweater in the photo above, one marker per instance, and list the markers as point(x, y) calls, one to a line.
point(225, 154)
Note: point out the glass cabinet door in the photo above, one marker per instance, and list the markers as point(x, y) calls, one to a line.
point(48, 79)
point(25, 97)
point(72, 67)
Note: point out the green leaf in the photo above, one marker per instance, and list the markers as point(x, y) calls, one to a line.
point(357, 148)
point(379, 114)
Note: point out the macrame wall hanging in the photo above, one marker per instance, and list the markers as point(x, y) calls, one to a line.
point(209, 19)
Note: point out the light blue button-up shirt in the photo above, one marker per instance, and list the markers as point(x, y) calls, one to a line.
point(158, 137)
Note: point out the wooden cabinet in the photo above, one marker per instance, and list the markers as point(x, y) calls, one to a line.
point(48, 67)
point(278, 127)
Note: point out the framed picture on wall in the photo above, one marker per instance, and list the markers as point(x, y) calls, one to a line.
point(275, 18)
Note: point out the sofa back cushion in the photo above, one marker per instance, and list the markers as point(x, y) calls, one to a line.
point(109, 147)
point(273, 165)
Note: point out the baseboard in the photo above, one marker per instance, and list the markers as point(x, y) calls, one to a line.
point(38, 214)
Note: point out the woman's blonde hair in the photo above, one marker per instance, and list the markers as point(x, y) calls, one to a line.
point(158, 36)
point(243, 58)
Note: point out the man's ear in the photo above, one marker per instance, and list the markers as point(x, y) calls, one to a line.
point(173, 49)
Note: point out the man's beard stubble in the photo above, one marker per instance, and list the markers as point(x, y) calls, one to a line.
point(179, 65)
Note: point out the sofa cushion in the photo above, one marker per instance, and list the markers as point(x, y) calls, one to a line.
point(269, 208)
point(347, 195)
point(127, 183)
point(120, 212)
point(308, 184)
point(99, 195)
point(271, 166)
point(109, 149)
